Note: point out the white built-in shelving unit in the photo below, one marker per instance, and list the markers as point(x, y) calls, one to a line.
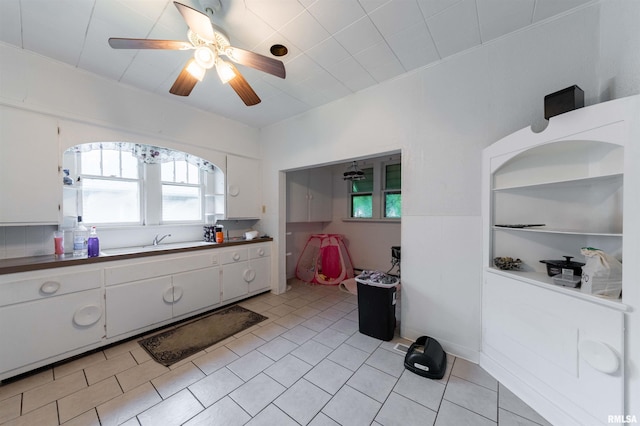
point(568, 186)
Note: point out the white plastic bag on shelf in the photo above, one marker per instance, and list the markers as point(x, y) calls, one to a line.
point(602, 273)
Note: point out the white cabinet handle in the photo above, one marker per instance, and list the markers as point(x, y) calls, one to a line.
point(249, 275)
point(87, 315)
point(50, 287)
point(234, 190)
point(177, 293)
point(260, 252)
point(167, 296)
point(236, 256)
point(599, 356)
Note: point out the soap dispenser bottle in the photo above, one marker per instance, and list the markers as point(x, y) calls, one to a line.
point(80, 239)
point(93, 244)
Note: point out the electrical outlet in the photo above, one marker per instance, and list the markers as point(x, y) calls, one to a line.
point(264, 209)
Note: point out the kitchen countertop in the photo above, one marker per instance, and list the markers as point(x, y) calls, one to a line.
point(34, 263)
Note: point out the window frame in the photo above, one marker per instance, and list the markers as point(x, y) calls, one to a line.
point(201, 185)
point(386, 191)
point(378, 192)
point(150, 187)
point(111, 178)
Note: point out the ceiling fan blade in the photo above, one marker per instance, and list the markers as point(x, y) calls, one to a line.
point(185, 82)
point(143, 43)
point(197, 21)
point(256, 60)
point(242, 88)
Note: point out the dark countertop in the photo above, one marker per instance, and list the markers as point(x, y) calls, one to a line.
point(34, 263)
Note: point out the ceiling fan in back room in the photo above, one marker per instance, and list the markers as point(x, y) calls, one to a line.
point(209, 43)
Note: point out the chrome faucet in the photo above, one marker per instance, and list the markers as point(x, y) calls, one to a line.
point(157, 241)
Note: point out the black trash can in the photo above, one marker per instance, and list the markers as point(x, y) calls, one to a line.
point(377, 304)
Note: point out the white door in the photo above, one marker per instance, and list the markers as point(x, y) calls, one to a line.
point(243, 188)
point(233, 281)
point(30, 184)
point(138, 304)
point(195, 290)
point(37, 330)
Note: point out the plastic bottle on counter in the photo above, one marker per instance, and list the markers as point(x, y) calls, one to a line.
point(80, 235)
point(93, 243)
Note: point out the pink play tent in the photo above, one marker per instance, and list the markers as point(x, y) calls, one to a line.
point(324, 260)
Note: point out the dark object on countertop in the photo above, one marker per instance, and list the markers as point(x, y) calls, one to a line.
point(426, 358)
point(562, 101)
point(555, 267)
point(528, 225)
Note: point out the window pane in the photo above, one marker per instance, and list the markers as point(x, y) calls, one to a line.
point(90, 161)
point(393, 204)
point(110, 163)
point(361, 206)
point(181, 172)
point(194, 173)
point(393, 177)
point(364, 185)
point(180, 203)
point(110, 201)
point(166, 171)
point(129, 165)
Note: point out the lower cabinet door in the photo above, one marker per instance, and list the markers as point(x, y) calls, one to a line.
point(233, 280)
point(138, 304)
point(568, 350)
point(34, 331)
point(260, 274)
point(195, 290)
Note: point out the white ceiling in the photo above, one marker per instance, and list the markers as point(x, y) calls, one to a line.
point(336, 47)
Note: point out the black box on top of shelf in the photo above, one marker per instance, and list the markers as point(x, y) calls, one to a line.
point(562, 101)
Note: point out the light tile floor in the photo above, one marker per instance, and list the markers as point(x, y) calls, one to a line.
point(306, 364)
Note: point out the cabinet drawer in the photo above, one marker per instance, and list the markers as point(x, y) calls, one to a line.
point(23, 287)
point(135, 270)
point(259, 250)
point(234, 256)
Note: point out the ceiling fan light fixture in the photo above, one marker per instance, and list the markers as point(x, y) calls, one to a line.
point(205, 57)
point(225, 71)
point(196, 70)
point(353, 173)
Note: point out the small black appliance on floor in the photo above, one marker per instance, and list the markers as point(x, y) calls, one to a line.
point(426, 358)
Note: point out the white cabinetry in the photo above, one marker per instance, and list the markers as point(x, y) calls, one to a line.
point(560, 349)
point(143, 294)
point(29, 178)
point(234, 263)
point(45, 315)
point(309, 196)
point(243, 188)
point(195, 290)
point(258, 275)
point(245, 270)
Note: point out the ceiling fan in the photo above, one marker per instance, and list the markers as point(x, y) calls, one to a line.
point(209, 44)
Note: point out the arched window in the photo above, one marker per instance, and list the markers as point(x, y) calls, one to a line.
point(122, 183)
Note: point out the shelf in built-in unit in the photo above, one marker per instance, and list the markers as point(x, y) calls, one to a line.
point(544, 230)
point(544, 281)
point(565, 182)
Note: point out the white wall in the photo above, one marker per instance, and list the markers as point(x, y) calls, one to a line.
point(441, 117)
point(90, 108)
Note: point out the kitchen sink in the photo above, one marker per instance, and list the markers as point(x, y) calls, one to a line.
point(140, 249)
